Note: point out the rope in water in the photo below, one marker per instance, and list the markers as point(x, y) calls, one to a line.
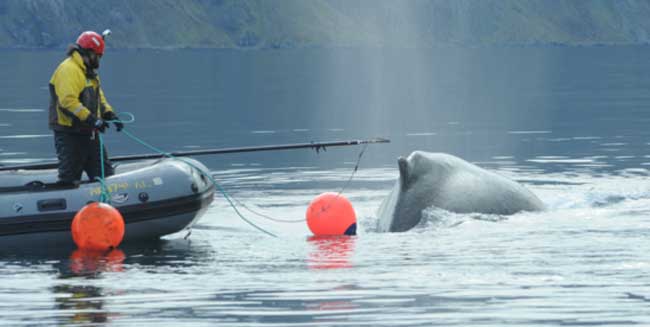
point(231, 200)
point(208, 174)
point(345, 186)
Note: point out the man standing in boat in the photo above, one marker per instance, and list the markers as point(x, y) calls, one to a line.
point(78, 111)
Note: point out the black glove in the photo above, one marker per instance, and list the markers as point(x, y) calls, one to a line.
point(97, 124)
point(109, 115)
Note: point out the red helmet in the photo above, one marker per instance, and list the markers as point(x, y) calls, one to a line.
point(91, 41)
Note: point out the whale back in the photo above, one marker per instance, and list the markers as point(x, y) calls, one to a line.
point(450, 183)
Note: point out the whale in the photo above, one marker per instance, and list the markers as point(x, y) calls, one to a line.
point(439, 180)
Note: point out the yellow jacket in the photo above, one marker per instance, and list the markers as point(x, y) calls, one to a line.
point(74, 96)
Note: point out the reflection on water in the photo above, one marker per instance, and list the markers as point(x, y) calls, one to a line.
point(86, 262)
point(80, 304)
point(330, 252)
point(80, 301)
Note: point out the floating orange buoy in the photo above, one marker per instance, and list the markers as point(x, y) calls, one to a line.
point(97, 226)
point(331, 214)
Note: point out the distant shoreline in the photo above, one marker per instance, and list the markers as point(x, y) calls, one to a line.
point(324, 47)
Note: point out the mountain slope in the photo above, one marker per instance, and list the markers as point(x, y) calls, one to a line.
point(299, 23)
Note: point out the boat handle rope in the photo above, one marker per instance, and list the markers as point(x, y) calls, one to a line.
point(169, 155)
point(104, 197)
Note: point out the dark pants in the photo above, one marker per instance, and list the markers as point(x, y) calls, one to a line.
point(78, 153)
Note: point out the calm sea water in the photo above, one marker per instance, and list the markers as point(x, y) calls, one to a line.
point(569, 123)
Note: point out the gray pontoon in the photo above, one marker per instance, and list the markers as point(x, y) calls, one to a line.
point(155, 197)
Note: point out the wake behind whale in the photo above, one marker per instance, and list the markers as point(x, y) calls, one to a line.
point(450, 183)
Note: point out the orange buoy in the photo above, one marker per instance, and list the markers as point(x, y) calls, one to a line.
point(331, 214)
point(97, 226)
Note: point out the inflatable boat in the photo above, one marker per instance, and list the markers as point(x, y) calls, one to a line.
point(155, 198)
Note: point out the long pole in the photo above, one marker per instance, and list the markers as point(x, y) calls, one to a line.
point(318, 146)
